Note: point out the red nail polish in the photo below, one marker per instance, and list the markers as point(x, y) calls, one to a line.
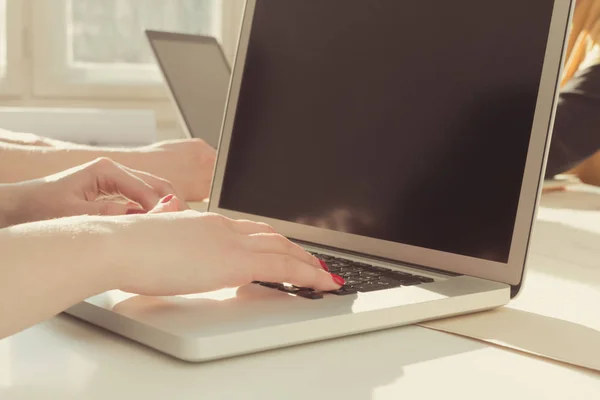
point(167, 199)
point(338, 279)
point(324, 266)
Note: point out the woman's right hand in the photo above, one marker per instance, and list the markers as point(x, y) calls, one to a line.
point(174, 253)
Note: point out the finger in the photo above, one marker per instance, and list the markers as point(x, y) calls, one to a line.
point(113, 178)
point(280, 268)
point(162, 186)
point(104, 207)
point(277, 244)
point(169, 203)
point(246, 227)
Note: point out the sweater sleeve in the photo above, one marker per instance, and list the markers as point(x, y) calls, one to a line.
point(576, 134)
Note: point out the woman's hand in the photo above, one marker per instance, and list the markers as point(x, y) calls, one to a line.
point(187, 163)
point(164, 253)
point(49, 266)
point(89, 189)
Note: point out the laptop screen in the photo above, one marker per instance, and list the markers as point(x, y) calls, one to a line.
point(197, 75)
point(402, 121)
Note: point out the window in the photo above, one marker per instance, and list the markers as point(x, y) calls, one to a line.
point(2, 39)
point(109, 33)
point(98, 48)
point(10, 47)
point(94, 53)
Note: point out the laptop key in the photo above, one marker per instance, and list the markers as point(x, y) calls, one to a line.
point(380, 269)
point(369, 274)
point(344, 291)
point(304, 289)
point(410, 283)
point(271, 285)
point(309, 294)
point(353, 282)
point(401, 274)
point(289, 289)
point(362, 277)
point(370, 288)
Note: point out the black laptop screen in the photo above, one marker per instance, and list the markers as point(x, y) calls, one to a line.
point(407, 121)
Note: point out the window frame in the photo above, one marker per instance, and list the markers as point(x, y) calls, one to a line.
point(12, 83)
point(53, 78)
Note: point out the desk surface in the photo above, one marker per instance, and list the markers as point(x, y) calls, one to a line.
point(64, 358)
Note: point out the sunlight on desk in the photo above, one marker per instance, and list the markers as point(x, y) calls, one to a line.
point(556, 315)
point(5, 364)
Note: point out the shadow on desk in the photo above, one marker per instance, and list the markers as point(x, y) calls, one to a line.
point(355, 366)
point(536, 334)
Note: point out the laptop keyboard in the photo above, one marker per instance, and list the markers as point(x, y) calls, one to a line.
point(360, 278)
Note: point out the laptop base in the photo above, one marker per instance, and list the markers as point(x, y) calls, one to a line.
point(254, 318)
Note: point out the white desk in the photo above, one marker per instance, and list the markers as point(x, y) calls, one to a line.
point(67, 359)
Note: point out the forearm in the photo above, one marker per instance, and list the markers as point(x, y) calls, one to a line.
point(30, 139)
point(48, 267)
point(21, 163)
point(9, 199)
point(21, 138)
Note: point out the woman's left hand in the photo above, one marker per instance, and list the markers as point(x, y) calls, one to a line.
point(85, 190)
point(187, 163)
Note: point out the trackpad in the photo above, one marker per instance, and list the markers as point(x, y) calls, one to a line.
point(229, 310)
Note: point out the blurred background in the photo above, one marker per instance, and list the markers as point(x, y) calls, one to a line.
point(92, 53)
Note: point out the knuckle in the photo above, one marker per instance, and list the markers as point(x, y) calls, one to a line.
point(216, 219)
point(103, 162)
point(267, 227)
point(281, 241)
point(163, 183)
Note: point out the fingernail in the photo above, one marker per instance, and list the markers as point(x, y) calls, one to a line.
point(324, 266)
point(338, 279)
point(167, 198)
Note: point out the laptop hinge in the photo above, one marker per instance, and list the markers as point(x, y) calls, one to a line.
point(376, 258)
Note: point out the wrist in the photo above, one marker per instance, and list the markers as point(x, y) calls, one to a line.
point(135, 158)
point(94, 250)
point(119, 250)
point(11, 204)
point(79, 250)
point(102, 252)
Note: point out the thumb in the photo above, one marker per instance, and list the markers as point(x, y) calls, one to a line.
point(167, 204)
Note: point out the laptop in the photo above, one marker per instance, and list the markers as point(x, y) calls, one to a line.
point(197, 75)
point(411, 164)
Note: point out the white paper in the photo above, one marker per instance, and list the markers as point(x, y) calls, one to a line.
point(558, 313)
point(105, 127)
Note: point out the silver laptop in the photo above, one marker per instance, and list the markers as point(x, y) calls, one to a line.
point(411, 163)
point(197, 75)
